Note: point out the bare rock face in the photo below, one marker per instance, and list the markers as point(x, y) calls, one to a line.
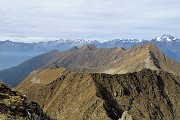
point(126, 116)
point(15, 106)
point(146, 95)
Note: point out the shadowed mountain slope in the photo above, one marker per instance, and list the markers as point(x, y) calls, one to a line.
point(88, 58)
point(146, 95)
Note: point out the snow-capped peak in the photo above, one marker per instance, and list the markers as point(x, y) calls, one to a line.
point(166, 38)
point(81, 41)
point(75, 41)
point(126, 41)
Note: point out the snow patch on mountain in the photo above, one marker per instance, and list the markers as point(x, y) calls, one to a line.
point(166, 38)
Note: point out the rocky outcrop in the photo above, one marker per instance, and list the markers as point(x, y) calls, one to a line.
point(146, 95)
point(126, 116)
point(13, 106)
point(149, 95)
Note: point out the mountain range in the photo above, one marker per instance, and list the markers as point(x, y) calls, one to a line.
point(89, 58)
point(94, 83)
point(169, 45)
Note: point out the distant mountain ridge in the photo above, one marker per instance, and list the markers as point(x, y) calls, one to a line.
point(169, 45)
point(63, 44)
point(44, 46)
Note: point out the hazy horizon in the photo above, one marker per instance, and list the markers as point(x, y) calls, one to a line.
point(46, 20)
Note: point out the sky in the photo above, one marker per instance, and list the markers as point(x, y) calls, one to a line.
point(42, 20)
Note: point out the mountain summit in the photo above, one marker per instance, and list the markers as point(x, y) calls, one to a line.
point(166, 38)
point(140, 57)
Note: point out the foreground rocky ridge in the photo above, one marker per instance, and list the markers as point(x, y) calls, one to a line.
point(14, 106)
point(144, 95)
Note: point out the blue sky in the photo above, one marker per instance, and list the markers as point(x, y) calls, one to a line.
point(39, 20)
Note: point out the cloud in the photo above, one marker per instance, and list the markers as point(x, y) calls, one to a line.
point(104, 19)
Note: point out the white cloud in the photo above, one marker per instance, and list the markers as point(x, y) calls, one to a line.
point(104, 19)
